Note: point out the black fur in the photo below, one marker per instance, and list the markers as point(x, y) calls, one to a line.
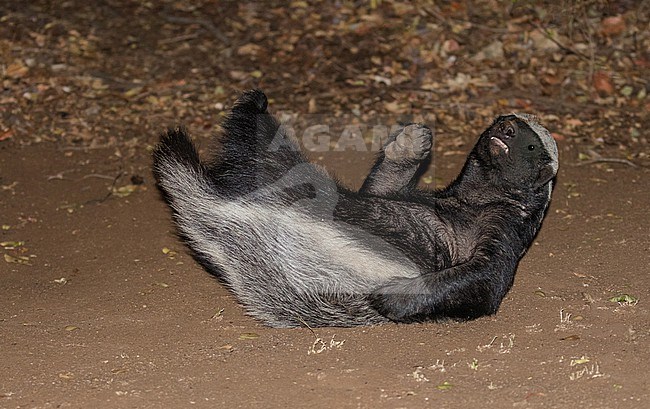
point(296, 247)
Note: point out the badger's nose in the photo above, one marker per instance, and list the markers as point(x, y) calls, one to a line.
point(508, 129)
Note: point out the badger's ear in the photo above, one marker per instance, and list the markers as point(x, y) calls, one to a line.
point(545, 175)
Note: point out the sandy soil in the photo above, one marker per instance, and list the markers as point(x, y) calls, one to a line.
point(101, 306)
point(103, 318)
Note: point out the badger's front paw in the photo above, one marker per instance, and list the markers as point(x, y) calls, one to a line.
point(401, 300)
point(412, 143)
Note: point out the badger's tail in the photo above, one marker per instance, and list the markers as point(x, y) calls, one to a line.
point(183, 182)
point(176, 163)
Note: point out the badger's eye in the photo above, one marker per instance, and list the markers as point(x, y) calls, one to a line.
point(531, 147)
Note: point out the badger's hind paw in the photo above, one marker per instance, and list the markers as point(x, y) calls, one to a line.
point(412, 143)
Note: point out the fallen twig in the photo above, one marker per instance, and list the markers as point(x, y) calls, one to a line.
point(202, 22)
point(566, 48)
point(110, 190)
point(99, 176)
point(178, 39)
point(608, 160)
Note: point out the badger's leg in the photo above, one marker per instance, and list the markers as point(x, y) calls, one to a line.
point(255, 151)
point(465, 291)
point(400, 163)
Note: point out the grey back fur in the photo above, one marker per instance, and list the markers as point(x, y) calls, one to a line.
point(319, 270)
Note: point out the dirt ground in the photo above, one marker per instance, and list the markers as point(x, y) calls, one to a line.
point(101, 306)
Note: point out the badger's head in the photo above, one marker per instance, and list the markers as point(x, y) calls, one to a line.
point(518, 152)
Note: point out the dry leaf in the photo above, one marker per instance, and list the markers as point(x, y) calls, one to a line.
point(249, 49)
point(126, 190)
point(395, 107)
point(450, 46)
point(573, 122)
point(542, 41)
point(612, 26)
point(248, 335)
point(602, 83)
point(492, 52)
point(6, 135)
point(17, 260)
point(132, 92)
point(16, 69)
point(11, 245)
point(311, 106)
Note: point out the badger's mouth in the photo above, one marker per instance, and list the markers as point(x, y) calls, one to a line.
point(497, 145)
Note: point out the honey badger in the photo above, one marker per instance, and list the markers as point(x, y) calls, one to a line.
point(297, 247)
